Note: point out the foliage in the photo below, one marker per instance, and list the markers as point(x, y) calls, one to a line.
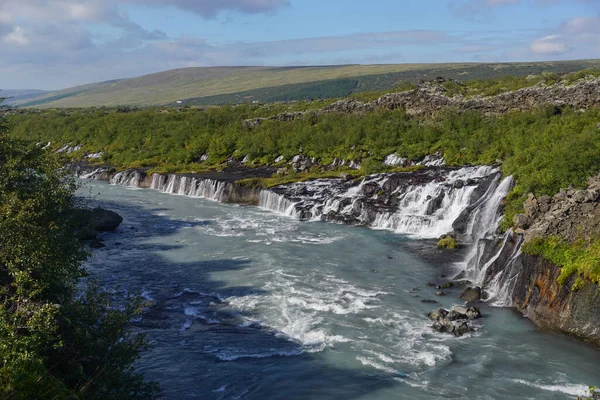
point(581, 258)
point(54, 341)
point(448, 242)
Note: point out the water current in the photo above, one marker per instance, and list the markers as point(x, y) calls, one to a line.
point(250, 304)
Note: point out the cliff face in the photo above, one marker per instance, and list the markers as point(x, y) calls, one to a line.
point(538, 295)
point(533, 281)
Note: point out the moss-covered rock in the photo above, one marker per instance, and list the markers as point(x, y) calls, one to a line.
point(448, 242)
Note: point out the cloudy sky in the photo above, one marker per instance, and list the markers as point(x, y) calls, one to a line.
point(52, 44)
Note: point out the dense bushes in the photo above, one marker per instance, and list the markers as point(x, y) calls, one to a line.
point(55, 342)
point(544, 150)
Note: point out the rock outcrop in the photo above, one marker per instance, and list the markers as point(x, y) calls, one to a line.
point(551, 306)
point(530, 283)
point(570, 214)
point(455, 321)
point(431, 97)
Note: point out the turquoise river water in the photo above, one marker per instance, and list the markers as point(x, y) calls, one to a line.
point(249, 304)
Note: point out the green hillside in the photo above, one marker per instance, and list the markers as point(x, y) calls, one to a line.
point(221, 85)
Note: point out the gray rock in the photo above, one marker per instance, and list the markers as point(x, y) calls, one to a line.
point(522, 221)
point(443, 326)
point(473, 313)
point(438, 314)
point(104, 220)
point(461, 328)
point(471, 294)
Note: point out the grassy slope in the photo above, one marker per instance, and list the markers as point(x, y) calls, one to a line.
point(229, 84)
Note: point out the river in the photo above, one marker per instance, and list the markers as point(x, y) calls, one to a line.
point(250, 304)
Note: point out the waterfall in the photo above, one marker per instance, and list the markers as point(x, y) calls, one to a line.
point(502, 285)
point(485, 215)
point(423, 204)
point(129, 178)
point(158, 182)
point(183, 186)
point(278, 203)
point(97, 174)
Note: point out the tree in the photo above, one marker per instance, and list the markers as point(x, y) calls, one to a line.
point(55, 340)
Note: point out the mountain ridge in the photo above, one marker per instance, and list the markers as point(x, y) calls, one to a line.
point(221, 85)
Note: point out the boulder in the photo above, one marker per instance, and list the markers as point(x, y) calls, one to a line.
point(104, 220)
point(522, 221)
point(461, 328)
point(463, 313)
point(446, 285)
point(443, 326)
point(471, 294)
point(473, 313)
point(86, 233)
point(448, 242)
point(438, 314)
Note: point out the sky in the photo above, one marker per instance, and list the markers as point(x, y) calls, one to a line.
point(54, 44)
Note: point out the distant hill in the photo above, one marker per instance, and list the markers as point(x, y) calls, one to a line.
point(21, 96)
point(220, 85)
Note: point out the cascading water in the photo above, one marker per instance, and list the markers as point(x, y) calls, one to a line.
point(422, 204)
point(127, 178)
point(502, 285)
point(178, 185)
point(429, 211)
point(277, 203)
point(485, 215)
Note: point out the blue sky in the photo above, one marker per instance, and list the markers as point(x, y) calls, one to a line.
point(52, 44)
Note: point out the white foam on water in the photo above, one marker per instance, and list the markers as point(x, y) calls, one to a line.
point(374, 364)
point(566, 388)
point(221, 389)
point(231, 355)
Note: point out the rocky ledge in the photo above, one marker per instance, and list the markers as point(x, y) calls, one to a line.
point(430, 98)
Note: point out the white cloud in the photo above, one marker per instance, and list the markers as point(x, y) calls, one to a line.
point(552, 44)
point(582, 25)
point(16, 37)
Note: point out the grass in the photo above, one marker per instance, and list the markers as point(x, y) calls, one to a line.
point(581, 258)
point(217, 85)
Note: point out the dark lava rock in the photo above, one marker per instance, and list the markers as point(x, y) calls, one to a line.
point(86, 233)
point(471, 294)
point(429, 301)
point(443, 326)
point(437, 315)
point(461, 328)
point(454, 321)
point(104, 220)
point(446, 285)
point(96, 244)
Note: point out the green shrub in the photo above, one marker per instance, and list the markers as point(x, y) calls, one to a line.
point(448, 242)
point(581, 258)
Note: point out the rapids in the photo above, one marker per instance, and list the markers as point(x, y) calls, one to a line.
point(247, 303)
